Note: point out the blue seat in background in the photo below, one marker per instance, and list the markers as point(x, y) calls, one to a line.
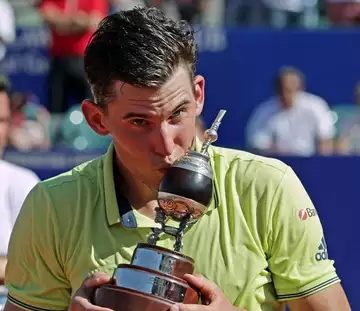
point(77, 135)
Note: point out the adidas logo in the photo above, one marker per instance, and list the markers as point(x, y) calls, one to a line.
point(322, 253)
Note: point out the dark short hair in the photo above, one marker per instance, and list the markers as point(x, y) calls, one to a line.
point(286, 71)
point(141, 47)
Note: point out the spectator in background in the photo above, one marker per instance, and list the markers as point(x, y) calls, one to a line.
point(7, 26)
point(15, 184)
point(30, 124)
point(276, 13)
point(118, 5)
point(169, 7)
point(349, 133)
point(285, 13)
point(294, 122)
point(343, 12)
point(193, 10)
point(71, 23)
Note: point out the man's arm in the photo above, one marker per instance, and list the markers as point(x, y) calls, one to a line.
point(326, 146)
point(304, 276)
point(35, 276)
point(90, 20)
point(7, 23)
point(342, 145)
point(331, 298)
point(325, 127)
point(258, 132)
point(11, 307)
point(77, 22)
point(55, 18)
point(3, 262)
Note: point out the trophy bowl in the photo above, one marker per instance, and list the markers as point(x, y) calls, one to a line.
point(187, 187)
point(153, 281)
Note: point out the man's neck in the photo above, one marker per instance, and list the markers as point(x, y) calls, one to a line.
point(139, 195)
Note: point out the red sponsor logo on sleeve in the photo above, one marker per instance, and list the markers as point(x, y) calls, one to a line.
point(306, 213)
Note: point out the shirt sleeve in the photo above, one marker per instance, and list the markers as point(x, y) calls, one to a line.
point(298, 255)
point(258, 131)
point(19, 194)
point(7, 22)
point(35, 276)
point(324, 120)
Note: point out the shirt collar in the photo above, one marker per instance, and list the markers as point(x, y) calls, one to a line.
point(111, 202)
point(118, 209)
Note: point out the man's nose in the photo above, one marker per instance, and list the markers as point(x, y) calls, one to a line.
point(163, 140)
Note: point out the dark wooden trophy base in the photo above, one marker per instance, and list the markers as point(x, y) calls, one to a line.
point(151, 282)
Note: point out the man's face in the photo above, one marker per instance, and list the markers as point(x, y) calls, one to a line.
point(4, 120)
point(151, 128)
point(291, 85)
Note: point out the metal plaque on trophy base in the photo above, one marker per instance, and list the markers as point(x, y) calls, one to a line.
point(153, 281)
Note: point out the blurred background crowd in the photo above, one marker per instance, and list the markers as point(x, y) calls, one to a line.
point(292, 121)
point(287, 72)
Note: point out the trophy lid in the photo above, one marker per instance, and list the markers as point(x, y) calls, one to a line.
point(211, 134)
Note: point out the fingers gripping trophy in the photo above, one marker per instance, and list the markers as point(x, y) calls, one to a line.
point(154, 278)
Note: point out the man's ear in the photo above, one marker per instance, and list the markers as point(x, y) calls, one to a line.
point(199, 87)
point(94, 116)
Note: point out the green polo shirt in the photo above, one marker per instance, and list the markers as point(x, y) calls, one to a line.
point(261, 240)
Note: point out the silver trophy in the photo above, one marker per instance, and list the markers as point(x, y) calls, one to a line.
point(154, 278)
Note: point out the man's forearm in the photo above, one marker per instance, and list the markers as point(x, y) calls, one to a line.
point(3, 262)
point(59, 22)
point(326, 147)
point(54, 18)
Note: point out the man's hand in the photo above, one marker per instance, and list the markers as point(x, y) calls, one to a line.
point(82, 297)
point(212, 297)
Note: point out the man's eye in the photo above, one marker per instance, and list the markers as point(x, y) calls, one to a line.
point(139, 122)
point(178, 113)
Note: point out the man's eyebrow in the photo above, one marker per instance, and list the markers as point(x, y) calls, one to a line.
point(133, 115)
point(182, 104)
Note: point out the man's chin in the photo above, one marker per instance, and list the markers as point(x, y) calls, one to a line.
point(162, 170)
point(155, 177)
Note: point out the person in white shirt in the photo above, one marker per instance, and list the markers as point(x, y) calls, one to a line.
point(7, 27)
point(15, 182)
point(294, 122)
point(348, 142)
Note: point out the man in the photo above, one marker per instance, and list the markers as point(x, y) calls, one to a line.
point(294, 122)
point(7, 27)
point(251, 243)
point(30, 122)
point(274, 13)
point(71, 24)
point(15, 182)
point(349, 128)
point(343, 12)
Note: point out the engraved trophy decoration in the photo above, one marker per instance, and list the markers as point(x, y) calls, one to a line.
point(153, 279)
